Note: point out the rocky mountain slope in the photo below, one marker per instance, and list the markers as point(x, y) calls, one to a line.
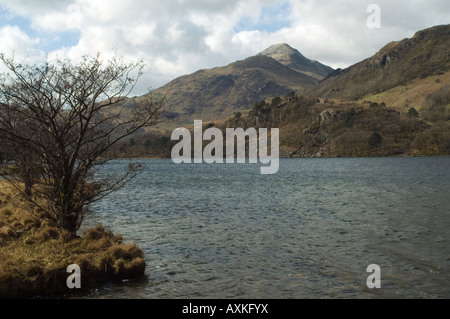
point(293, 59)
point(218, 93)
point(426, 54)
point(394, 103)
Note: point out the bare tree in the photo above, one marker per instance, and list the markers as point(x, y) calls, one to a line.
point(60, 119)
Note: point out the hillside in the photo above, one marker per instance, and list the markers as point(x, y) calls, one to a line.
point(396, 64)
point(219, 92)
point(311, 127)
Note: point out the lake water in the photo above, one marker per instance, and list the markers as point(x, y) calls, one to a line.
point(309, 231)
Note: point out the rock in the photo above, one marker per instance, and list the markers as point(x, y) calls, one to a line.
point(327, 117)
point(320, 138)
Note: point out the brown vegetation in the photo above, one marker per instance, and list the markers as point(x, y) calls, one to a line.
point(217, 93)
point(397, 64)
point(34, 254)
point(311, 127)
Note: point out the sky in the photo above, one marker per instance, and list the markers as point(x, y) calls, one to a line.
point(177, 37)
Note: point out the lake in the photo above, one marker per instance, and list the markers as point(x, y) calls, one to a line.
point(310, 231)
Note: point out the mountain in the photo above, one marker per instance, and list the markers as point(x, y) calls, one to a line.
point(293, 59)
point(394, 103)
point(397, 65)
point(220, 92)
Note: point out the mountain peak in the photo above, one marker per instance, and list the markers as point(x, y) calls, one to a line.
point(292, 58)
point(279, 49)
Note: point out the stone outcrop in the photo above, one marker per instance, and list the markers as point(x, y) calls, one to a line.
point(319, 128)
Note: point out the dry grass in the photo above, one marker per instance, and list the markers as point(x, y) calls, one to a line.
point(413, 94)
point(34, 254)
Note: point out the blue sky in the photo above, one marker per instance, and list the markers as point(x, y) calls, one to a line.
point(176, 37)
point(48, 41)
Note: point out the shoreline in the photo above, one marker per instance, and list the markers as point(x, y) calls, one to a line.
point(295, 157)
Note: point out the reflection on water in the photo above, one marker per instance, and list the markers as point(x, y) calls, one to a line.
point(310, 231)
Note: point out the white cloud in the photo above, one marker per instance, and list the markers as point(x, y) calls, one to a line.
point(175, 37)
point(32, 7)
point(15, 41)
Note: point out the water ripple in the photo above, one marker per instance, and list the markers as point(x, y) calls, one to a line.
point(310, 231)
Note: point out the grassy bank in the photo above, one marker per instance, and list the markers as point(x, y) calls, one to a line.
point(34, 254)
